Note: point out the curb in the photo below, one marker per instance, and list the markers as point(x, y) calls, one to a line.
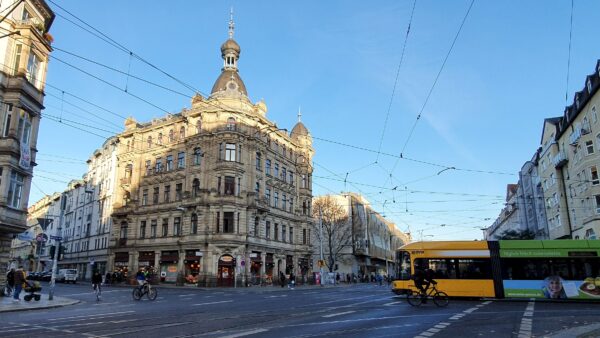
point(587, 331)
point(20, 309)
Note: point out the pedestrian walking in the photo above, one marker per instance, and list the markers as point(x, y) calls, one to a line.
point(19, 281)
point(10, 281)
point(281, 278)
point(107, 278)
point(292, 282)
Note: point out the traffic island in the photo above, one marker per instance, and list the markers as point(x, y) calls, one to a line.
point(8, 305)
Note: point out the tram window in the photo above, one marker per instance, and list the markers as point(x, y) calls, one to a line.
point(474, 269)
point(404, 266)
point(582, 268)
point(442, 268)
point(560, 267)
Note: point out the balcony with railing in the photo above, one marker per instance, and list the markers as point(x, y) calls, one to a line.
point(560, 159)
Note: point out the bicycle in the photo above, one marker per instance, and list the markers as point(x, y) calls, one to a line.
point(146, 289)
point(7, 290)
point(97, 291)
point(416, 298)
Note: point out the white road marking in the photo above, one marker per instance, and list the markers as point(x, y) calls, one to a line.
point(277, 296)
point(392, 303)
point(442, 325)
point(337, 314)
point(188, 295)
point(93, 315)
point(247, 333)
point(92, 292)
point(527, 322)
point(223, 301)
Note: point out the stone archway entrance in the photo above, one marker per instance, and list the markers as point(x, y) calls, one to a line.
point(226, 271)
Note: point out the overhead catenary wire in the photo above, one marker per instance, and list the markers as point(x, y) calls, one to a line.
point(387, 115)
point(435, 82)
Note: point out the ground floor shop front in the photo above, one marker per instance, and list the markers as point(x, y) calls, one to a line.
point(213, 266)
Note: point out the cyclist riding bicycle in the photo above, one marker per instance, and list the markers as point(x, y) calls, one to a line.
point(423, 278)
point(96, 282)
point(140, 276)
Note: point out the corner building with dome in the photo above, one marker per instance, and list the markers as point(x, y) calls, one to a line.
point(216, 194)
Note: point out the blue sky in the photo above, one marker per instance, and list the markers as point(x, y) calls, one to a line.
point(338, 61)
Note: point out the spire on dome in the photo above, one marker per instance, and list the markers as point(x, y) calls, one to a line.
point(231, 23)
point(299, 115)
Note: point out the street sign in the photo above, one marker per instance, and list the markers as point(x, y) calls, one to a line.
point(26, 236)
point(243, 263)
point(56, 238)
point(41, 238)
point(199, 253)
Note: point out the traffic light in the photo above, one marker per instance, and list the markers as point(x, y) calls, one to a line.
point(61, 253)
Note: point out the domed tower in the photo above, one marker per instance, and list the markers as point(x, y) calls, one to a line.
point(229, 82)
point(301, 136)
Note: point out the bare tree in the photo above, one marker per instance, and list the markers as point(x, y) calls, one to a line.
point(337, 233)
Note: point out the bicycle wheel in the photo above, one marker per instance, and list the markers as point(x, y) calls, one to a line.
point(137, 294)
point(152, 293)
point(441, 299)
point(414, 298)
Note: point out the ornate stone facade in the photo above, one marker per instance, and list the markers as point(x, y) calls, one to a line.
point(24, 49)
point(215, 194)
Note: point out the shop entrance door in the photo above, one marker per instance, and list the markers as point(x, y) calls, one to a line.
point(226, 271)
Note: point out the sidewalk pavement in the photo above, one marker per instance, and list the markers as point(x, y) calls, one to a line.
point(7, 304)
point(586, 331)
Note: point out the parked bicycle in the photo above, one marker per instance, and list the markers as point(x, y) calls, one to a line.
point(416, 298)
point(145, 289)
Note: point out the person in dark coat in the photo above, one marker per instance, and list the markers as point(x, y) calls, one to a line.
point(281, 278)
point(19, 280)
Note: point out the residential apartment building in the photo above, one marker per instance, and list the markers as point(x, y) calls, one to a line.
point(530, 199)
point(24, 51)
point(567, 178)
point(216, 193)
point(86, 218)
point(509, 218)
point(576, 162)
point(371, 243)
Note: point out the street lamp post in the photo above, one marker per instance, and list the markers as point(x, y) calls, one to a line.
point(57, 249)
point(321, 242)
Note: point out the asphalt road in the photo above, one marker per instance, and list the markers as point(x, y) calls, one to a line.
point(347, 311)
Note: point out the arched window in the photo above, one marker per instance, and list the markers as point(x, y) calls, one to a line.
point(303, 207)
point(196, 187)
point(283, 150)
point(171, 136)
point(231, 123)
point(149, 142)
point(194, 221)
point(257, 189)
point(160, 139)
point(181, 133)
point(198, 126)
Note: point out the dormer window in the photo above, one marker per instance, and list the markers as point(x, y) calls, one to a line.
point(577, 101)
point(589, 86)
point(198, 126)
point(231, 123)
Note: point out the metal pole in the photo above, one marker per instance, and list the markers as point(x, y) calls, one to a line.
point(321, 241)
point(56, 251)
